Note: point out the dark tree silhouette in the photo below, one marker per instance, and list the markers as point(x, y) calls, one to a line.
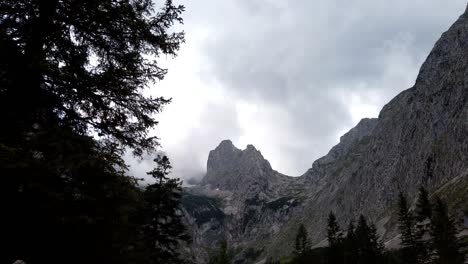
point(423, 205)
point(302, 243)
point(335, 240)
point(334, 234)
point(370, 249)
point(406, 225)
point(83, 65)
point(350, 248)
point(443, 236)
point(163, 230)
point(72, 75)
point(423, 217)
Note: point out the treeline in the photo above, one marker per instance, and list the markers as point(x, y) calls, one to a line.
point(429, 233)
point(428, 236)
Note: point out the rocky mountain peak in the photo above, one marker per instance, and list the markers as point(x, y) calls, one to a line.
point(225, 145)
point(229, 166)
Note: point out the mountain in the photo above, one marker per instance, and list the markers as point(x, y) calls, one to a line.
point(231, 169)
point(419, 139)
point(241, 199)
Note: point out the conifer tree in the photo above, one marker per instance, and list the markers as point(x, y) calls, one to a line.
point(335, 239)
point(302, 243)
point(334, 234)
point(370, 249)
point(407, 229)
point(443, 236)
point(350, 249)
point(163, 230)
point(375, 242)
point(71, 99)
point(423, 217)
point(423, 205)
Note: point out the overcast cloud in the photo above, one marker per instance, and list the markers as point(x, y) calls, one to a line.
point(289, 77)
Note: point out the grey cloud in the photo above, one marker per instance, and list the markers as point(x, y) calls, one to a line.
point(218, 122)
point(306, 58)
point(299, 55)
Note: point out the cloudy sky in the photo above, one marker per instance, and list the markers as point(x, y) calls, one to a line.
point(289, 77)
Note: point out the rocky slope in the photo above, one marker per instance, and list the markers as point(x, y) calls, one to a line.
point(241, 199)
point(419, 138)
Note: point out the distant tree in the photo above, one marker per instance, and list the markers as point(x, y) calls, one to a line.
point(406, 225)
point(423, 205)
point(302, 243)
point(163, 230)
point(350, 248)
point(375, 242)
point(223, 255)
point(334, 234)
point(370, 249)
point(335, 239)
point(443, 236)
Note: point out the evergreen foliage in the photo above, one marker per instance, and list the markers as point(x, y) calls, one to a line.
point(361, 244)
point(350, 249)
point(72, 75)
point(83, 65)
point(423, 205)
point(302, 243)
point(335, 239)
point(443, 236)
point(423, 217)
point(162, 229)
point(406, 225)
point(334, 234)
point(370, 249)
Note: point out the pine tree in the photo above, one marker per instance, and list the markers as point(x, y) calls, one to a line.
point(71, 99)
point(302, 243)
point(334, 234)
point(375, 242)
point(350, 245)
point(163, 230)
point(370, 249)
point(407, 229)
point(423, 222)
point(335, 240)
point(75, 64)
point(443, 236)
point(423, 205)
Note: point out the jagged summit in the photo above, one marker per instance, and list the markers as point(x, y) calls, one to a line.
point(227, 143)
point(228, 166)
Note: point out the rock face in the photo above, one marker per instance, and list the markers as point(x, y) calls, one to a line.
point(419, 138)
point(241, 199)
point(233, 170)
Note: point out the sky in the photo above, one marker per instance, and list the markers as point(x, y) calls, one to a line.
point(289, 77)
